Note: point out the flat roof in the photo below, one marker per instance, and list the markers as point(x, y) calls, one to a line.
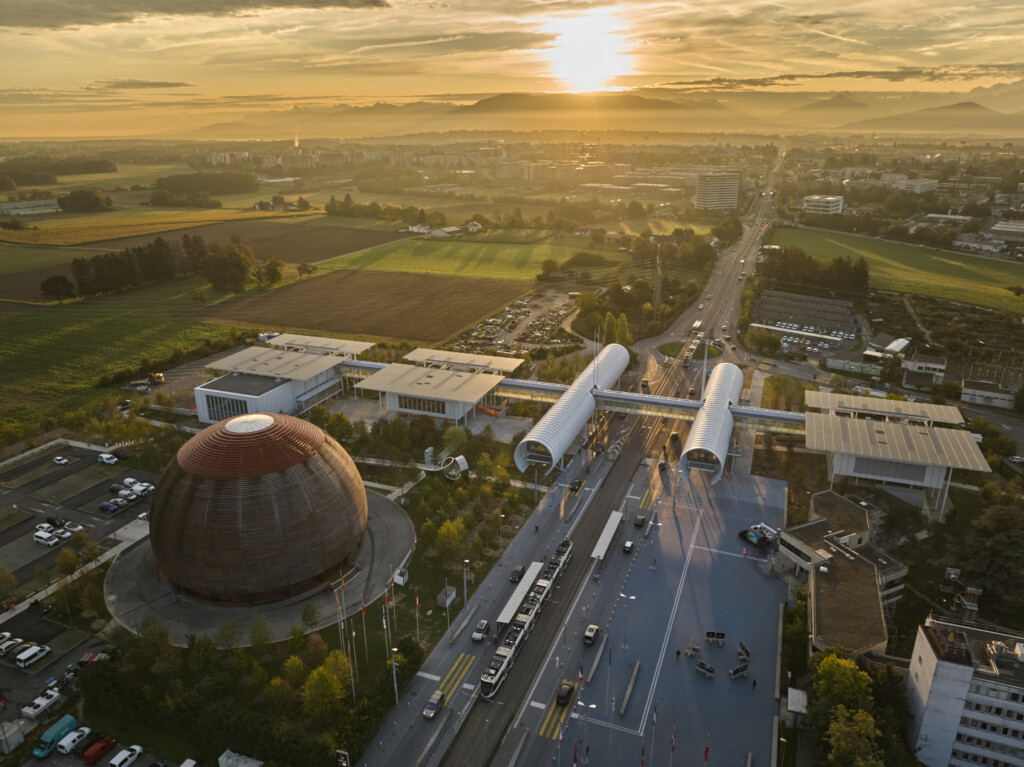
point(989, 386)
point(848, 612)
point(891, 408)
point(321, 343)
point(519, 594)
point(442, 357)
point(900, 442)
point(241, 383)
point(275, 363)
point(414, 381)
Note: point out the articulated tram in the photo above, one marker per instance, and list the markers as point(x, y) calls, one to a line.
point(525, 617)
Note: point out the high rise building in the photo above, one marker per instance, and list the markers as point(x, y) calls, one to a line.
point(718, 191)
point(966, 691)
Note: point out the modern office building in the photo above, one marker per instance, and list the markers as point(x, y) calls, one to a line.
point(966, 691)
point(718, 191)
point(823, 204)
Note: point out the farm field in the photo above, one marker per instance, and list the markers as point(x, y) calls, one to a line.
point(269, 239)
point(661, 225)
point(16, 258)
point(344, 222)
point(99, 227)
point(127, 174)
point(414, 307)
point(54, 355)
point(916, 270)
point(467, 259)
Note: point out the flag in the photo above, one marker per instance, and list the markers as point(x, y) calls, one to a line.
point(336, 602)
point(575, 758)
point(559, 736)
point(655, 713)
point(417, 600)
point(384, 618)
point(706, 747)
point(385, 599)
point(361, 602)
point(581, 674)
point(343, 585)
point(673, 740)
point(641, 755)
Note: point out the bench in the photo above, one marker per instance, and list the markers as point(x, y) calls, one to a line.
point(717, 637)
point(705, 669)
point(743, 653)
point(736, 673)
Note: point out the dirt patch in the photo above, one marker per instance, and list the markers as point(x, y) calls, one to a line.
point(292, 243)
point(417, 307)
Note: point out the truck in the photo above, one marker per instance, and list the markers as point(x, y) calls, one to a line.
point(156, 378)
point(41, 705)
point(696, 326)
point(48, 742)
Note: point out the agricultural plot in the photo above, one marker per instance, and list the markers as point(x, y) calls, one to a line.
point(661, 225)
point(345, 222)
point(415, 307)
point(24, 267)
point(53, 356)
point(463, 258)
point(269, 239)
point(916, 270)
point(510, 235)
point(100, 227)
point(126, 175)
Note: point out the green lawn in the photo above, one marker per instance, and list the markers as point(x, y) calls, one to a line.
point(344, 222)
point(53, 357)
point(127, 174)
point(15, 257)
point(671, 349)
point(916, 270)
point(468, 259)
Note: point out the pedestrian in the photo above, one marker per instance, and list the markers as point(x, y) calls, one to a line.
point(677, 654)
point(744, 553)
point(755, 684)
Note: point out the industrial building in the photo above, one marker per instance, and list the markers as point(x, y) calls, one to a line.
point(966, 692)
point(823, 204)
point(449, 394)
point(718, 191)
point(987, 393)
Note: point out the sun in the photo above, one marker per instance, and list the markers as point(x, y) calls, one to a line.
point(589, 50)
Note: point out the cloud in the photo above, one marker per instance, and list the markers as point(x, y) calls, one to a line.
point(59, 14)
point(125, 85)
point(897, 75)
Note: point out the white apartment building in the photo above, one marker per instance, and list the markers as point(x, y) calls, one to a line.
point(823, 204)
point(966, 691)
point(718, 191)
point(919, 185)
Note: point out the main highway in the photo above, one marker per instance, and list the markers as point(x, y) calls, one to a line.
point(485, 726)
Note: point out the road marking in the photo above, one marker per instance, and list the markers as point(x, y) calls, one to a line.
point(431, 677)
point(557, 721)
point(729, 553)
point(456, 674)
point(537, 704)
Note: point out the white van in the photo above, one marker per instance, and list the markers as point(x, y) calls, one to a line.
point(47, 539)
point(126, 757)
point(72, 739)
point(108, 458)
point(31, 655)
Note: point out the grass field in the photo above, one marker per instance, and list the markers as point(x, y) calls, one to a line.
point(52, 357)
point(372, 304)
point(270, 239)
point(16, 258)
point(99, 227)
point(918, 271)
point(515, 236)
point(660, 226)
point(345, 222)
point(466, 259)
point(127, 175)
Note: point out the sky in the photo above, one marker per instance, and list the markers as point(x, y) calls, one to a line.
point(85, 64)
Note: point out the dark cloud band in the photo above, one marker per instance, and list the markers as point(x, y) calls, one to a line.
point(58, 14)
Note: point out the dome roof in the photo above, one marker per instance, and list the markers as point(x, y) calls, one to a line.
point(256, 508)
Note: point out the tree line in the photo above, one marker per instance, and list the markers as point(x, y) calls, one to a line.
point(407, 214)
point(792, 269)
point(41, 169)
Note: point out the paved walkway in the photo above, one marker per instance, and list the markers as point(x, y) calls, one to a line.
point(135, 591)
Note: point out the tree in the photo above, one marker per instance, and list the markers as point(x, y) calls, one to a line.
point(228, 268)
point(623, 336)
point(454, 439)
point(277, 201)
point(892, 370)
point(84, 201)
point(228, 635)
point(321, 695)
point(57, 286)
point(304, 269)
point(294, 671)
point(635, 210)
point(8, 583)
point(450, 537)
point(259, 635)
point(310, 616)
point(302, 204)
point(338, 664)
point(278, 696)
point(316, 649)
point(67, 562)
point(41, 575)
point(548, 266)
point(992, 554)
point(762, 340)
point(837, 682)
point(586, 301)
point(853, 739)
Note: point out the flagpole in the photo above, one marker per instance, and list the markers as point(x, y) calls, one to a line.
point(366, 647)
point(654, 726)
point(352, 650)
point(417, 616)
point(394, 607)
point(343, 609)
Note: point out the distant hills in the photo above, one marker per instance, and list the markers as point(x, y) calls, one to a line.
point(664, 111)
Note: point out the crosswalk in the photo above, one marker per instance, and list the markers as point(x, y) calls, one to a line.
point(456, 674)
point(554, 720)
point(578, 490)
point(649, 499)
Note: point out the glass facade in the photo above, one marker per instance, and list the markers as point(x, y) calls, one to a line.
point(421, 405)
point(225, 407)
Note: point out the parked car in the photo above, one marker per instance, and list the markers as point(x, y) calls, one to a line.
point(107, 458)
point(4, 636)
point(55, 521)
point(517, 573)
point(47, 539)
point(128, 481)
point(72, 739)
point(126, 756)
point(128, 495)
point(88, 742)
point(118, 502)
point(480, 633)
point(756, 539)
point(108, 506)
point(575, 485)
point(10, 644)
point(98, 750)
point(31, 655)
point(44, 527)
point(590, 635)
point(434, 703)
point(72, 527)
point(116, 488)
point(61, 533)
point(565, 692)
point(60, 460)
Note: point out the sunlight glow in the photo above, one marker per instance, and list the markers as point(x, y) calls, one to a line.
point(590, 50)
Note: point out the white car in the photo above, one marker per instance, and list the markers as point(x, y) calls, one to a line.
point(128, 481)
point(44, 527)
point(60, 460)
point(118, 501)
point(126, 757)
point(1016, 459)
point(107, 458)
point(61, 533)
point(128, 495)
point(72, 739)
point(73, 527)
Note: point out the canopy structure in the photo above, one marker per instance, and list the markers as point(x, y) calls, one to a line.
point(707, 445)
point(553, 434)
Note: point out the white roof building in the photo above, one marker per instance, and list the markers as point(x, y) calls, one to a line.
point(415, 390)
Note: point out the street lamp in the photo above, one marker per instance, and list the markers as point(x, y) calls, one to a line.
point(465, 588)
point(625, 641)
point(501, 522)
point(587, 708)
point(394, 673)
point(782, 761)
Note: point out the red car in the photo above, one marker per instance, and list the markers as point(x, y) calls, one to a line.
point(98, 750)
